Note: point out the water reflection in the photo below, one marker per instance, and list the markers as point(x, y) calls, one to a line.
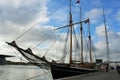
point(18, 72)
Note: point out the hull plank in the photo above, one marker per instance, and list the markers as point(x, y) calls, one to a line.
point(59, 71)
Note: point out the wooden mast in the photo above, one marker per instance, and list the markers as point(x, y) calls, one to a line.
point(81, 28)
point(107, 42)
point(90, 46)
point(70, 22)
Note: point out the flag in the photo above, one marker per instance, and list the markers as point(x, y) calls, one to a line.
point(87, 21)
point(78, 1)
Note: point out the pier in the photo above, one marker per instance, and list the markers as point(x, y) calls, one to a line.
point(2, 58)
point(111, 75)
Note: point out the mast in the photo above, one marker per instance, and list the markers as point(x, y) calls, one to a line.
point(70, 22)
point(71, 30)
point(89, 37)
point(107, 42)
point(81, 29)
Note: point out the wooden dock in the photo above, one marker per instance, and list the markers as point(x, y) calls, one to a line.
point(111, 75)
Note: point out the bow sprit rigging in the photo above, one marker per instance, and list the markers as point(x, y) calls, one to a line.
point(30, 56)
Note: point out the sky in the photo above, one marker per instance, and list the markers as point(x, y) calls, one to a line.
point(42, 16)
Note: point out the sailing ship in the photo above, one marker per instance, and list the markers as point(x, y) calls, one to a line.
point(61, 70)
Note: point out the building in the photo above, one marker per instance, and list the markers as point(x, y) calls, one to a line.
point(3, 58)
point(99, 61)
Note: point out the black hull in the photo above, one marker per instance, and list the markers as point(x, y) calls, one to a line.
point(60, 71)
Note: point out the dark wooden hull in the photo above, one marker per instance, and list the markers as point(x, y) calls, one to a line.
point(60, 71)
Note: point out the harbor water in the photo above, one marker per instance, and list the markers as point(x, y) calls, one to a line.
point(21, 72)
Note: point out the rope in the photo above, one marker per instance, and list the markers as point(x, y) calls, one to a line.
point(37, 75)
point(94, 51)
point(40, 75)
point(65, 53)
point(43, 40)
point(76, 42)
point(57, 8)
point(37, 23)
point(87, 47)
point(49, 48)
point(16, 54)
point(24, 33)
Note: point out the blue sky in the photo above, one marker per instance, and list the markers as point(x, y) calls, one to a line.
point(44, 15)
point(91, 9)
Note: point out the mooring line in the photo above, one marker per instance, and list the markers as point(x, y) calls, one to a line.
point(40, 75)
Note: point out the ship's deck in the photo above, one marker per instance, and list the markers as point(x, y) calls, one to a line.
point(111, 75)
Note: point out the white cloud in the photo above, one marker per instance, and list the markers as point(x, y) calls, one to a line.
point(17, 16)
point(14, 20)
point(22, 12)
point(100, 30)
point(100, 45)
point(94, 14)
